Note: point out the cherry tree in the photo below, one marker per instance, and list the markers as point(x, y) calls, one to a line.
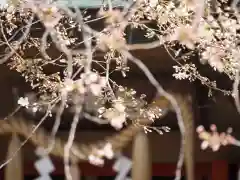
point(186, 28)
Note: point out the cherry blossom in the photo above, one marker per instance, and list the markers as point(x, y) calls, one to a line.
point(185, 36)
point(214, 140)
point(117, 121)
point(47, 12)
point(213, 56)
point(94, 82)
point(106, 151)
point(205, 33)
point(23, 101)
point(97, 156)
point(95, 160)
point(115, 117)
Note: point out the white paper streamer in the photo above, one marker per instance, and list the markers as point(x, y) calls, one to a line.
point(123, 165)
point(44, 177)
point(44, 166)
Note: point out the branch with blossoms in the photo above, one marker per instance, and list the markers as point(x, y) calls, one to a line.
point(79, 79)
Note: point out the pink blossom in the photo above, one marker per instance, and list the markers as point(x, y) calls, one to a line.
point(214, 140)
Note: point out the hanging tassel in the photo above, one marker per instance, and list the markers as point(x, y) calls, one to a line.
point(74, 170)
point(14, 170)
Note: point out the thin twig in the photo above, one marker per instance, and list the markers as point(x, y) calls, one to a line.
point(27, 139)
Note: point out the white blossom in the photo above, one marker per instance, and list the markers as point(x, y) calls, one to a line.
point(120, 107)
point(204, 31)
point(117, 121)
point(34, 109)
point(95, 160)
point(96, 88)
point(213, 56)
point(181, 75)
point(204, 145)
point(107, 151)
point(23, 101)
point(185, 36)
point(116, 115)
point(95, 82)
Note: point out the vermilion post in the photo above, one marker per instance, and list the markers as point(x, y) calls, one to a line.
point(219, 170)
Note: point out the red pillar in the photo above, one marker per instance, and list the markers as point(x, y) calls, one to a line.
point(219, 170)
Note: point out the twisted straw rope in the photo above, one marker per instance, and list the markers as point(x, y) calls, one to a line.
point(82, 151)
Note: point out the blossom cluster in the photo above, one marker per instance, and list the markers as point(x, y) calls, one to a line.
point(128, 106)
point(214, 139)
point(88, 82)
point(97, 155)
